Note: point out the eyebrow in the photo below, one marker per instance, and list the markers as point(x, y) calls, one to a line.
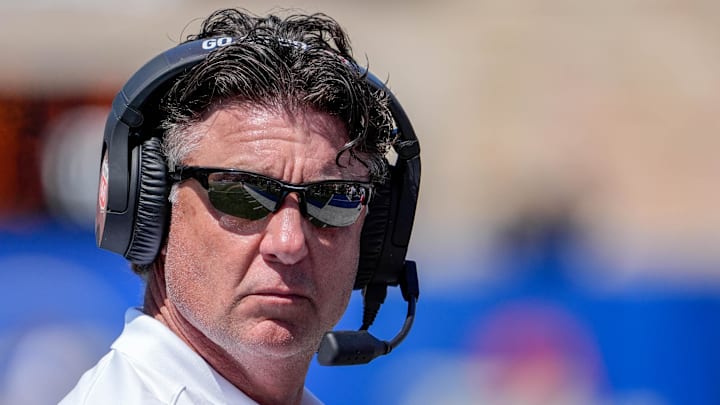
point(329, 171)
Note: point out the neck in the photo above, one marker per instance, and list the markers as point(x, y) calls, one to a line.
point(265, 379)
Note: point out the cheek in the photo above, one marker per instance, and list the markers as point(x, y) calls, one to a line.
point(207, 254)
point(340, 249)
point(194, 265)
point(186, 282)
point(338, 267)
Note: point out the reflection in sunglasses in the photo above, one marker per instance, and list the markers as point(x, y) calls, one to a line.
point(333, 203)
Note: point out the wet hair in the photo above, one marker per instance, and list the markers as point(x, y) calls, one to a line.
point(286, 64)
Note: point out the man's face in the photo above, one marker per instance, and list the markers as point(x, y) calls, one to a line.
point(271, 286)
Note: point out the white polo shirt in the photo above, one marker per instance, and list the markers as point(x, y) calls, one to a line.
point(149, 364)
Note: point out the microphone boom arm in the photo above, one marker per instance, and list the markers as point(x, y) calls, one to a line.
point(339, 348)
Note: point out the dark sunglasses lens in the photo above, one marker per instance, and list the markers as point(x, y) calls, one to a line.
point(243, 196)
point(253, 197)
point(335, 204)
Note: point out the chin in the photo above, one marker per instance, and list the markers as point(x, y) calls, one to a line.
point(277, 339)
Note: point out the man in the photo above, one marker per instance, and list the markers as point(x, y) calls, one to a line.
point(270, 143)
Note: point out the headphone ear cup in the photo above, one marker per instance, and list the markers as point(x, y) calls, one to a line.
point(151, 212)
point(373, 234)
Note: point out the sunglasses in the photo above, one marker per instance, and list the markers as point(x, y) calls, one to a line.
point(252, 196)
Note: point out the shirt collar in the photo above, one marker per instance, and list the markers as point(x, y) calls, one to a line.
point(148, 342)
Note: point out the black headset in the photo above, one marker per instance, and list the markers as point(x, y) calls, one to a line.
point(133, 208)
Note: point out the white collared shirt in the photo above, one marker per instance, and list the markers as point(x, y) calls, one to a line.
point(149, 364)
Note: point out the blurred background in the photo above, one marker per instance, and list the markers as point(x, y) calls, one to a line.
point(568, 231)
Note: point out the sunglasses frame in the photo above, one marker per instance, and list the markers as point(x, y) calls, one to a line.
point(202, 175)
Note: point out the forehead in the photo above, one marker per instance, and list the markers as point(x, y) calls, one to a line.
point(272, 141)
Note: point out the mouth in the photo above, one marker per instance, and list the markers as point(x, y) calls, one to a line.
point(278, 305)
point(281, 296)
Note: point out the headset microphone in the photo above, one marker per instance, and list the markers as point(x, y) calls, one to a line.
point(384, 246)
point(349, 347)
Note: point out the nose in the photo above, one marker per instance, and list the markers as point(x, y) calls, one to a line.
point(284, 240)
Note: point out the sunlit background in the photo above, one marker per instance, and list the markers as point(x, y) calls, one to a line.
point(568, 232)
